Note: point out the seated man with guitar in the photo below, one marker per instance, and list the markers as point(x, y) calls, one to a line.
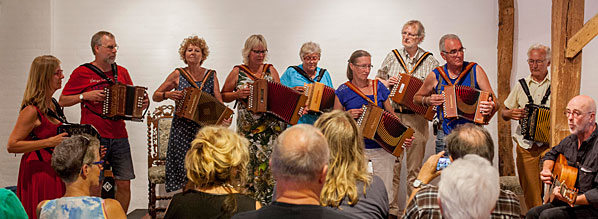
point(571, 166)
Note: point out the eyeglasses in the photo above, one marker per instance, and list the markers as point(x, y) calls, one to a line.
point(311, 58)
point(260, 51)
point(58, 72)
point(364, 66)
point(575, 113)
point(539, 62)
point(409, 34)
point(455, 51)
point(101, 162)
point(111, 47)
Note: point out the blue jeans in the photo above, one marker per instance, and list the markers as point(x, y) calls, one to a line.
point(118, 154)
point(440, 143)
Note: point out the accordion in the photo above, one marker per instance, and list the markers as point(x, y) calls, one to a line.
point(274, 98)
point(78, 129)
point(320, 98)
point(384, 128)
point(201, 107)
point(464, 102)
point(535, 126)
point(124, 102)
point(403, 92)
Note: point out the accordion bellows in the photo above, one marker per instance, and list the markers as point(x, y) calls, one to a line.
point(535, 126)
point(320, 98)
point(124, 102)
point(274, 98)
point(384, 128)
point(403, 92)
point(201, 107)
point(464, 102)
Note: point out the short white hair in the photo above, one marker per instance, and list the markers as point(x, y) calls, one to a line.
point(540, 47)
point(468, 188)
point(309, 48)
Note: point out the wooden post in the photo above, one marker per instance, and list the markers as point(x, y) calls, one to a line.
point(567, 19)
point(506, 19)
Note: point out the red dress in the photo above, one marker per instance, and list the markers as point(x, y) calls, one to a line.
point(37, 180)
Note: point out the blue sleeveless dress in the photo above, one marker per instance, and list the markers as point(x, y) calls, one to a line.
point(182, 132)
point(74, 208)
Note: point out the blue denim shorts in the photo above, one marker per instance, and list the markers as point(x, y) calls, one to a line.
point(118, 154)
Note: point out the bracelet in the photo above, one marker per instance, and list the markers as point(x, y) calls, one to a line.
point(424, 102)
point(164, 95)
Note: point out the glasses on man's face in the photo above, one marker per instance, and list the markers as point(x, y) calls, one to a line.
point(539, 62)
point(311, 58)
point(111, 47)
point(260, 51)
point(575, 113)
point(364, 66)
point(455, 51)
point(404, 33)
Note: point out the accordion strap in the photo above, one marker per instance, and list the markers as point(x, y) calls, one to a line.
point(417, 64)
point(205, 78)
point(99, 72)
point(546, 96)
point(59, 114)
point(362, 95)
point(465, 70)
point(187, 77)
point(251, 74)
point(304, 74)
point(526, 91)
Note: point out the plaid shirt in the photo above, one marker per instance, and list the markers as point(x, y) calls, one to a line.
point(425, 205)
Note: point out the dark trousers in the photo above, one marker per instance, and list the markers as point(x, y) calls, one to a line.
point(558, 209)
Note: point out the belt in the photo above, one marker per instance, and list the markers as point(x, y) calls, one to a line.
point(404, 111)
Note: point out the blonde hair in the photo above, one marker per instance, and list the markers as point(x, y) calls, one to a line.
point(251, 42)
point(196, 41)
point(218, 157)
point(347, 159)
point(41, 72)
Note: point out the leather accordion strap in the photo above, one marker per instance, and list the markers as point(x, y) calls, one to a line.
point(362, 95)
point(526, 91)
point(417, 64)
point(188, 77)
point(205, 78)
point(99, 72)
point(251, 74)
point(465, 70)
point(546, 96)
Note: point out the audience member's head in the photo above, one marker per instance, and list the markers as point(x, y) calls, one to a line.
point(218, 157)
point(347, 158)
point(469, 188)
point(470, 139)
point(300, 155)
point(75, 159)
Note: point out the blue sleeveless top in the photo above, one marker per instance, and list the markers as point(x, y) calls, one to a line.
point(449, 124)
point(74, 208)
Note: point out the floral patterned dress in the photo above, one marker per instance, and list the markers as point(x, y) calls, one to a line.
point(261, 130)
point(182, 132)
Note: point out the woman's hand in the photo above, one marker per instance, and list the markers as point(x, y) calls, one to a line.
point(227, 122)
point(175, 95)
point(355, 113)
point(56, 139)
point(299, 88)
point(243, 93)
point(434, 100)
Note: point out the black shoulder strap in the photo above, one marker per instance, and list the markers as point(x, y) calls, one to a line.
point(302, 72)
point(101, 73)
point(59, 112)
point(526, 90)
point(546, 96)
point(320, 75)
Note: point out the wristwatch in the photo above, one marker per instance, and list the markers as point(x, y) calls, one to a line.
point(81, 97)
point(417, 183)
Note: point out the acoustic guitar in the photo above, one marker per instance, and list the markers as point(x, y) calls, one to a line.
point(564, 176)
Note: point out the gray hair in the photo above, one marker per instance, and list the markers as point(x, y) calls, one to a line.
point(541, 47)
point(470, 139)
point(468, 188)
point(71, 154)
point(446, 37)
point(309, 48)
point(96, 39)
point(299, 153)
point(251, 42)
point(421, 31)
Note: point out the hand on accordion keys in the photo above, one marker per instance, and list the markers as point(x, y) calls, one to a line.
point(300, 89)
point(226, 122)
point(486, 107)
point(517, 114)
point(145, 102)
point(434, 100)
point(393, 80)
point(408, 142)
point(174, 95)
point(355, 113)
point(94, 95)
point(243, 93)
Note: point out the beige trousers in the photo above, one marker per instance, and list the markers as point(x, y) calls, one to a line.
point(528, 169)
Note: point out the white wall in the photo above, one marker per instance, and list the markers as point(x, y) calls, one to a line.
point(149, 34)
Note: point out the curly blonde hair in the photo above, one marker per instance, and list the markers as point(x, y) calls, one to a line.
point(196, 41)
point(347, 159)
point(218, 157)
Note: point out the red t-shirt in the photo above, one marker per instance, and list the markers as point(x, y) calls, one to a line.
point(84, 79)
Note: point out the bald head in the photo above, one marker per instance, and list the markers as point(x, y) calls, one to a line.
point(581, 115)
point(299, 153)
point(470, 139)
point(583, 103)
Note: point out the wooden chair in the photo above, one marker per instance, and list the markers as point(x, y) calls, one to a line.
point(158, 131)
